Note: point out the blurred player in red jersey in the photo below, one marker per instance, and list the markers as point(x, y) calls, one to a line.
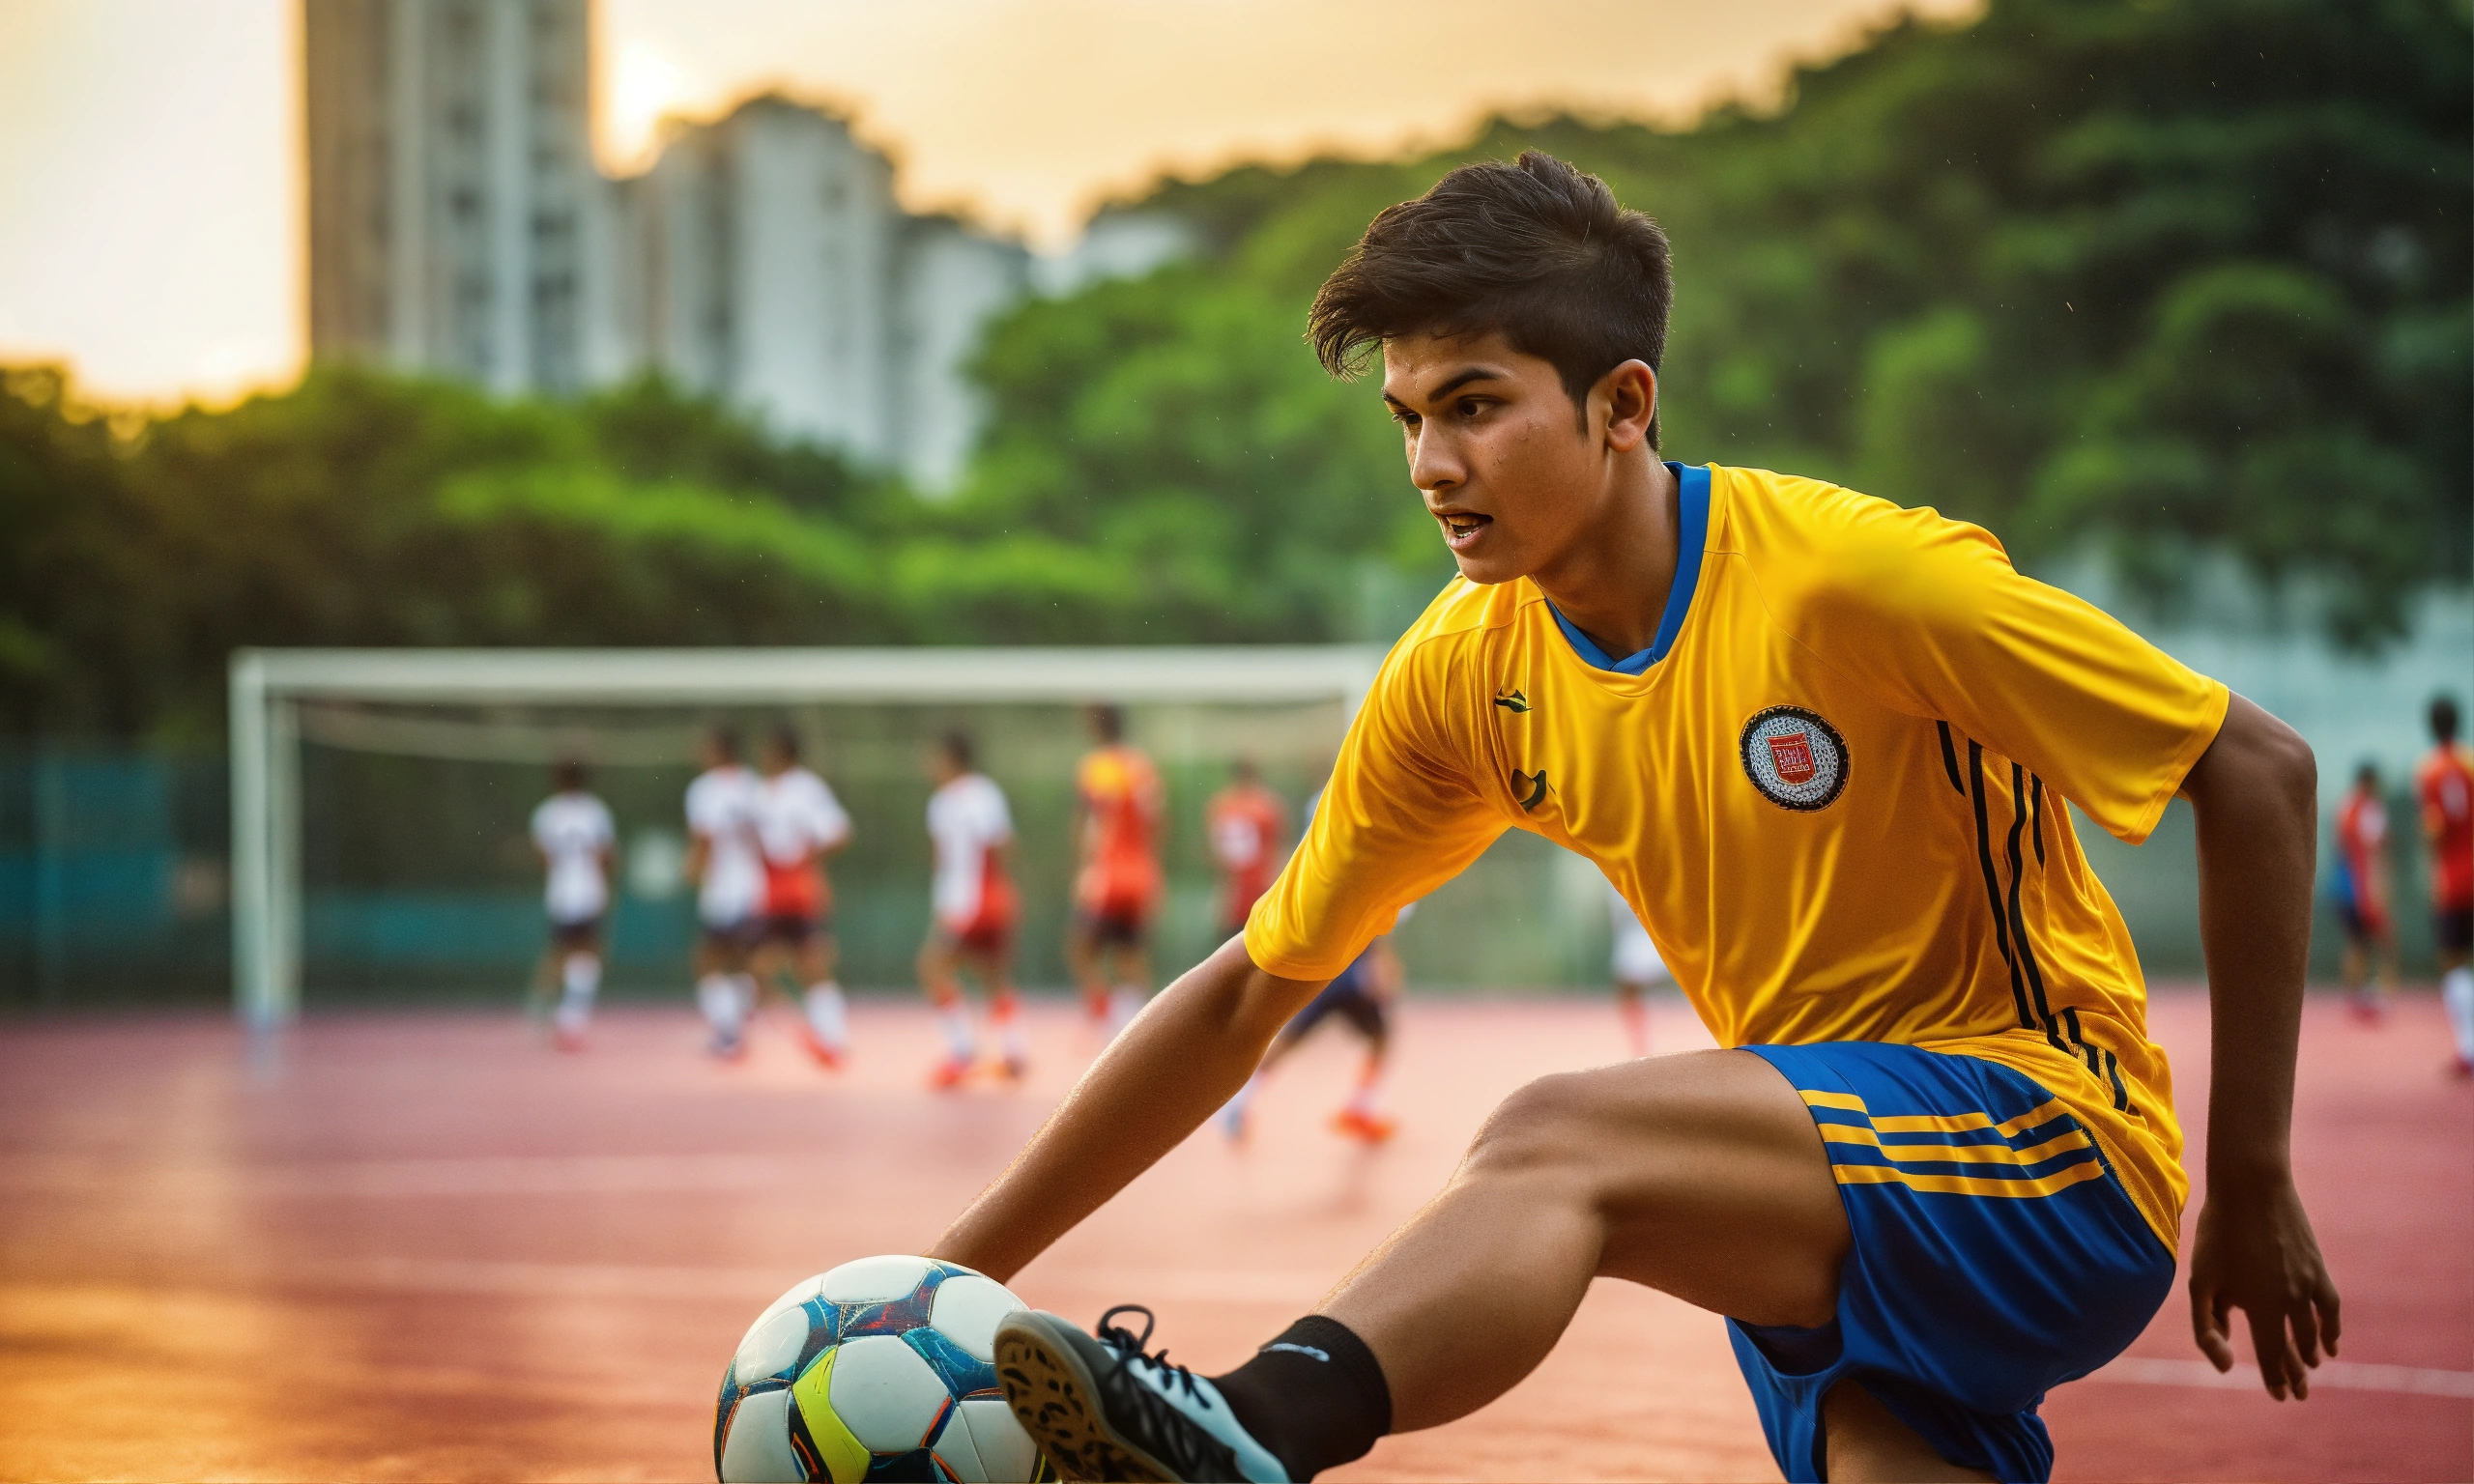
point(1248, 825)
point(1117, 803)
point(2361, 890)
point(799, 823)
point(2445, 784)
point(1362, 995)
point(974, 910)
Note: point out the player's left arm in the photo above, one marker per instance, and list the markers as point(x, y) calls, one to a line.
point(2255, 792)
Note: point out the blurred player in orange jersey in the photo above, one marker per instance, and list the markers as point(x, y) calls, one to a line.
point(798, 823)
point(1248, 824)
point(1118, 801)
point(975, 909)
point(2445, 784)
point(2361, 891)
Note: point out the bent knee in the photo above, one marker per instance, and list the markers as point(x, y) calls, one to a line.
point(1544, 1125)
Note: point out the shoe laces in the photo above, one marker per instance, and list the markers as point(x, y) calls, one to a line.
point(1177, 1439)
point(1129, 1348)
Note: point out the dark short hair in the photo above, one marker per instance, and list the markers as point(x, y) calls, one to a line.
point(1109, 721)
point(1245, 768)
point(725, 740)
point(2367, 774)
point(568, 774)
point(958, 747)
point(1536, 250)
point(2444, 719)
point(786, 740)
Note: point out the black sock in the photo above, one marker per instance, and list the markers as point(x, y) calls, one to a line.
point(1315, 1396)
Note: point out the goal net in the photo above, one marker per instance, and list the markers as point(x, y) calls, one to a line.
point(382, 799)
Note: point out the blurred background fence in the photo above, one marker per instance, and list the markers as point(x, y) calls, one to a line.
point(422, 884)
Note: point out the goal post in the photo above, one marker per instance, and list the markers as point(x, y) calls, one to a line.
point(268, 687)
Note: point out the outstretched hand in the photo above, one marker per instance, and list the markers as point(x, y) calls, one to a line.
point(2256, 1253)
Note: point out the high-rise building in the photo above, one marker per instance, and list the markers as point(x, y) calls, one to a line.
point(452, 193)
point(458, 227)
point(782, 276)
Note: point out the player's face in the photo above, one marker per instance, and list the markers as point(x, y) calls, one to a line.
point(1505, 464)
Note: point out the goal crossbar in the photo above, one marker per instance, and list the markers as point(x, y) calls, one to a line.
point(269, 685)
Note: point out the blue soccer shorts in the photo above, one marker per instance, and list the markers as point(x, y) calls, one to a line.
point(1994, 1256)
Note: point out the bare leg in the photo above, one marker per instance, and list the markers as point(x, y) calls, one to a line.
point(1700, 1175)
point(1866, 1444)
point(1083, 955)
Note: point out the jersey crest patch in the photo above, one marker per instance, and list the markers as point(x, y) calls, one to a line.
point(1797, 760)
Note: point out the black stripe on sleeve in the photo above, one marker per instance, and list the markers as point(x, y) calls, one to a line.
point(1992, 881)
point(1950, 758)
point(2070, 1021)
point(2026, 954)
point(2037, 813)
point(2122, 1094)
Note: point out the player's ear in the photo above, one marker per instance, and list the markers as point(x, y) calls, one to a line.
point(1629, 393)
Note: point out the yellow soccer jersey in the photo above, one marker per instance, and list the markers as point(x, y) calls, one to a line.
point(1833, 790)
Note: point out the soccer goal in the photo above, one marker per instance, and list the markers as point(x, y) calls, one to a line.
point(463, 735)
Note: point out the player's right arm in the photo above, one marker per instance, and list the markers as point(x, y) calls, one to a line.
point(1394, 823)
point(1186, 1054)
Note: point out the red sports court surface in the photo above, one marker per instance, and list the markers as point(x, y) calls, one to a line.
point(425, 1247)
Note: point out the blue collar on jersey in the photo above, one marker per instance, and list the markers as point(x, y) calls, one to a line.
point(1692, 495)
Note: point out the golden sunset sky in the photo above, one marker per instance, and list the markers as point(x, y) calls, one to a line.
point(149, 151)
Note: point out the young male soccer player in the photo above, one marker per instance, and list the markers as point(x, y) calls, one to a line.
point(2445, 784)
point(974, 912)
point(1117, 804)
point(1635, 967)
point(1247, 825)
point(2359, 886)
point(575, 837)
point(1822, 743)
point(726, 863)
point(799, 823)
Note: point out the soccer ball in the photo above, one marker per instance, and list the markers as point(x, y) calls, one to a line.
point(882, 1369)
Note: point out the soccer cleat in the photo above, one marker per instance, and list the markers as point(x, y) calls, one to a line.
point(1368, 1127)
point(827, 1056)
point(1232, 1123)
point(727, 1046)
point(567, 1040)
point(2366, 1010)
point(1100, 1408)
point(1016, 1069)
point(950, 1074)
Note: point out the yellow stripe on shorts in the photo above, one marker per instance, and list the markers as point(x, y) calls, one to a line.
point(1967, 1184)
point(1954, 1154)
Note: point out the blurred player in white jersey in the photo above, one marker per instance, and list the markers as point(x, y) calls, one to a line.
point(726, 863)
point(799, 823)
point(974, 909)
point(1636, 969)
point(573, 832)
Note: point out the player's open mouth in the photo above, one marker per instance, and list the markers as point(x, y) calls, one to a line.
point(1461, 528)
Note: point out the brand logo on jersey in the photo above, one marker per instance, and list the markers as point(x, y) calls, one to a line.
point(1797, 760)
point(1531, 789)
point(1513, 701)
